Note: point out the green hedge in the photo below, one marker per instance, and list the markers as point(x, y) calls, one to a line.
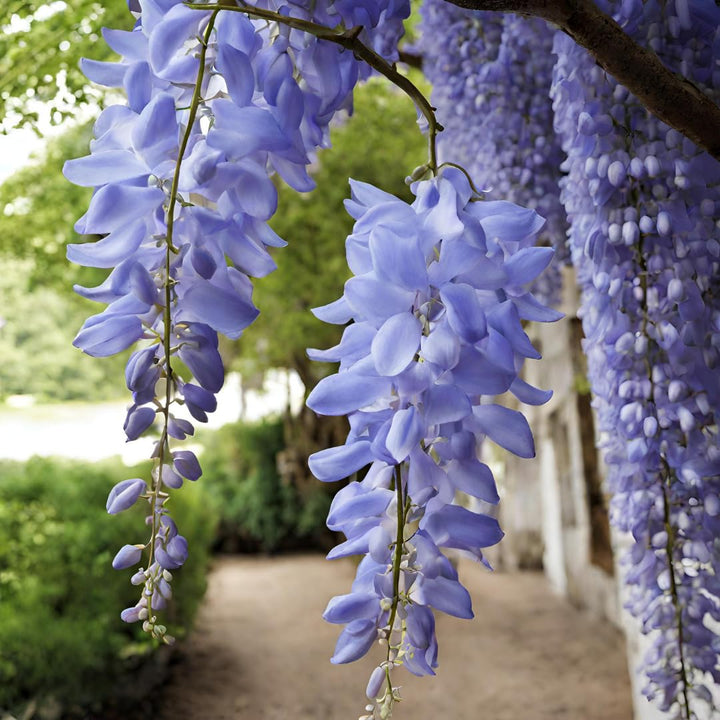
point(258, 511)
point(61, 636)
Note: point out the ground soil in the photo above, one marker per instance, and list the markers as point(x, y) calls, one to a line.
point(260, 651)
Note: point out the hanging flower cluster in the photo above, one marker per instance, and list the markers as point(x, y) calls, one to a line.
point(491, 81)
point(437, 302)
point(217, 102)
point(644, 204)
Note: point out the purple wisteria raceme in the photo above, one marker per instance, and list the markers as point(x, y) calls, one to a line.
point(644, 204)
point(491, 76)
point(436, 302)
point(217, 102)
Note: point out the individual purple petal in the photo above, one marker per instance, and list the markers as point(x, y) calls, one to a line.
point(345, 392)
point(186, 463)
point(442, 347)
point(508, 428)
point(354, 546)
point(505, 319)
point(530, 308)
point(505, 220)
point(335, 463)
point(241, 131)
point(445, 403)
point(361, 505)
point(236, 69)
point(112, 205)
point(457, 527)
point(178, 25)
point(465, 314)
point(127, 556)
point(527, 263)
point(131, 614)
point(142, 284)
point(376, 300)
point(397, 258)
point(446, 595)
point(203, 359)
point(395, 344)
point(101, 168)
point(111, 250)
point(179, 429)
point(528, 394)
point(103, 335)
point(198, 401)
point(355, 344)
point(155, 134)
point(258, 197)
point(477, 374)
point(354, 641)
point(405, 433)
point(474, 478)
point(170, 478)
point(110, 74)
point(424, 473)
point(345, 608)
point(456, 257)
point(138, 420)
point(375, 683)
point(337, 312)
point(124, 495)
point(138, 366)
point(224, 311)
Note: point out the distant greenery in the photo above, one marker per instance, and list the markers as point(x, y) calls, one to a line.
point(41, 44)
point(38, 208)
point(257, 510)
point(60, 600)
point(36, 331)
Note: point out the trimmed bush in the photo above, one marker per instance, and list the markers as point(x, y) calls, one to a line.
point(61, 636)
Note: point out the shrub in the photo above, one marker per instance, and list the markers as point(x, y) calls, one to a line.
point(257, 509)
point(60, 600)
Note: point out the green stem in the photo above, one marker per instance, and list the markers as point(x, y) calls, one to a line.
point(349, 40)
point(665, 481)
point(167, 317)
point(402, 510)
point(669, 547)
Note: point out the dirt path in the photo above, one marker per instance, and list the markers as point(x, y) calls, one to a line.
point(260, 652)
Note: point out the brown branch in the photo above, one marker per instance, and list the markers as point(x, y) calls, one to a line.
point(410, 59)
point(667, 95)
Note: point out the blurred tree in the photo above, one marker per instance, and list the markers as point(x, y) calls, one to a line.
point(41, 44)
point(38, 208)
point(36, 331)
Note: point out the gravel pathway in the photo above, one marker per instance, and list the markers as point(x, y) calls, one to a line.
point(260, 652)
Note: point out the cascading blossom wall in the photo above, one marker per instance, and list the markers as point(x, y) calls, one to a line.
point(217, 102)
point(436, 303)
point(643, 203)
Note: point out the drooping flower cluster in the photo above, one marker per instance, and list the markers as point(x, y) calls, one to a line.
point(216, 103)
point(437, 300)
point(644, 205)
point(496, 110)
